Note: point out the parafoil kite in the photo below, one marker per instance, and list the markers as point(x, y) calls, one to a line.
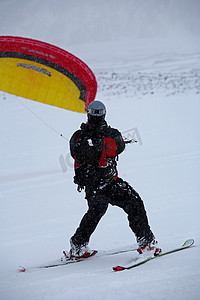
point(45, 73)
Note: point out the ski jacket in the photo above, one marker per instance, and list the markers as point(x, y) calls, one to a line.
point(95, 150)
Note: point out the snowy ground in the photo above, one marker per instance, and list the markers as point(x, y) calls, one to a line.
point(151, 88)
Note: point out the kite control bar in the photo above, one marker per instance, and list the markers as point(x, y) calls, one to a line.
point(130, 141)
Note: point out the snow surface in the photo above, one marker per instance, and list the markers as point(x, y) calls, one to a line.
point(146, 58)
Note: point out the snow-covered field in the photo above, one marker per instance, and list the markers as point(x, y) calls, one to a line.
point(146, 58)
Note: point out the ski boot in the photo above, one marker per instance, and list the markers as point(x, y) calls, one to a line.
point(150, 249)
point(80, 251)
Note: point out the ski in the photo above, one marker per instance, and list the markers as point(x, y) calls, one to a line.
point(63, 261)
point(188, 243)
point(54, 264)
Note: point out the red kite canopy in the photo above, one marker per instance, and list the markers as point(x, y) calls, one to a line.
point(45, 73)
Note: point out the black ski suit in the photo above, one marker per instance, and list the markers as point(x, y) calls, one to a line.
point(95, 151)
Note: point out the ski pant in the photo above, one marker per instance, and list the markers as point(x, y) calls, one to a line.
point(118, 193)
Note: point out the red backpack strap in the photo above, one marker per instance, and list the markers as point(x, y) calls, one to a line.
point(111, 147)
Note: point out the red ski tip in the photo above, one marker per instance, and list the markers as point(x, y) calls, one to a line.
point(22, 269)
point(118, 268)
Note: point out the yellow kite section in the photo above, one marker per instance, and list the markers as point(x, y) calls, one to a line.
point(38, 82)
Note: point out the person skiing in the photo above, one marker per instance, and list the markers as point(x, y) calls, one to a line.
point(95, 148)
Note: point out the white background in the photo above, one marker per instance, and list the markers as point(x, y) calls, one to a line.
point(146, 58)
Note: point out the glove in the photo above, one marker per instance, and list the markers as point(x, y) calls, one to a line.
point(80, 188)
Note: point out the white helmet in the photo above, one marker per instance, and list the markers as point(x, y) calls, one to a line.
point(96, 112)
point(96, 108)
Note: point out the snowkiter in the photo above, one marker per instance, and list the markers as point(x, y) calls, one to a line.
point(95, 148)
